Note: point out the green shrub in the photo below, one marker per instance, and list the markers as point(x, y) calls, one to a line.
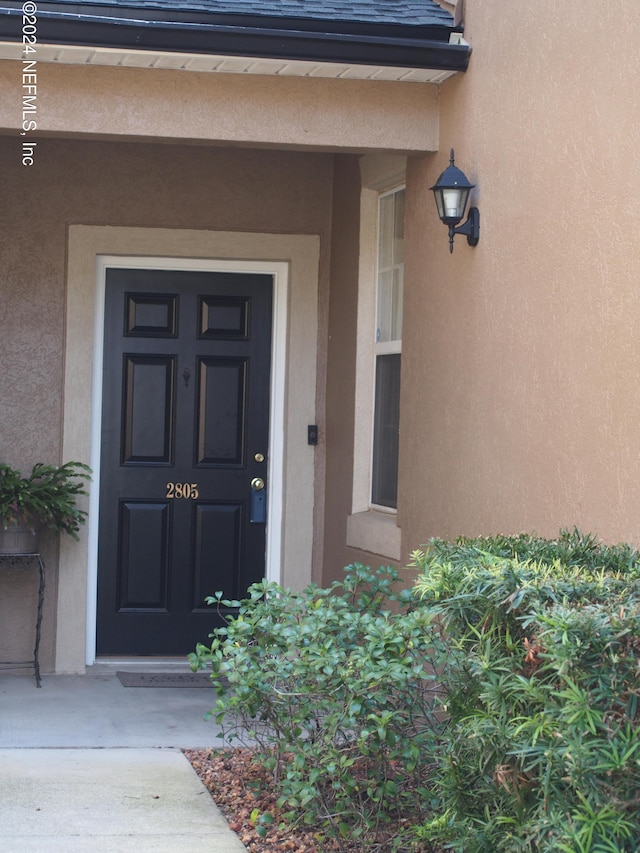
point(336, 688)
point(47, 496)
point(542, 685)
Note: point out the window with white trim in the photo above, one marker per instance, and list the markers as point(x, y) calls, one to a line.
point(388, 349)
point(372, 525)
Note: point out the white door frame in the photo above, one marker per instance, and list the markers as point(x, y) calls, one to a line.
point(279, 273)
point(293, 260)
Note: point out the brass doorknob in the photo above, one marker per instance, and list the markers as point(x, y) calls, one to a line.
point(257, 483)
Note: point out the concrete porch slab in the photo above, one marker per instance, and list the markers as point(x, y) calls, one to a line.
point(95, 710)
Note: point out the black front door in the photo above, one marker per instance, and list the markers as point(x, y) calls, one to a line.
point(185, 418)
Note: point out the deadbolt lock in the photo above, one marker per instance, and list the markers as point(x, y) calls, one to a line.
point(259, 457)
point(257, 483)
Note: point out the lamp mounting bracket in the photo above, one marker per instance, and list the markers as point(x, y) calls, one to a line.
point(470, 229)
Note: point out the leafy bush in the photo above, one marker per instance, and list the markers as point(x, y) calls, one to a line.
point(542, 694)
point(336, 687)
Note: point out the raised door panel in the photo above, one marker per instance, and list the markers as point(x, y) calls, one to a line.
point(221, 407)
point(217, 551)
point(148, 409)
point(143, 571)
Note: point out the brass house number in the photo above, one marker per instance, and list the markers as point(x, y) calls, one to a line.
point(182, 491)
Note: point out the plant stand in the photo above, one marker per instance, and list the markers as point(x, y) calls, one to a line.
point(12, 561)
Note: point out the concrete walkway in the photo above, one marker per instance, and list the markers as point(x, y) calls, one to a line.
point(90, 766)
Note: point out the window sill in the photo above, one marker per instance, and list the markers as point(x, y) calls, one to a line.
point(376, 532)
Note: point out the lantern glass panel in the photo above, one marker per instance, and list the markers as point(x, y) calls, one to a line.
point(454, 203)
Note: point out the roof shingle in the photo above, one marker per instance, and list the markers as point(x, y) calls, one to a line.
point(408, 12)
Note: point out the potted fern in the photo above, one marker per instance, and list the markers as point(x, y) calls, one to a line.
point(46, 498)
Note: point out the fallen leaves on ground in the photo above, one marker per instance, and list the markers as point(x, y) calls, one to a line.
point(243, 791)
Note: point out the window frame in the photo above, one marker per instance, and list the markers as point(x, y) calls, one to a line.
point(384, 347)
point(370, 527)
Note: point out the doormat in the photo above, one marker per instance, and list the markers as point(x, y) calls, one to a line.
point(165, 679)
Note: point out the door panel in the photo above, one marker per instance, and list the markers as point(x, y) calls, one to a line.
point(148, 385)
point(221, 410)
point(186, 390)
point(143, 568)
point(218, 531)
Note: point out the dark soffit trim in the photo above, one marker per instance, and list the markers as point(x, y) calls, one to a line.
point(273, 38)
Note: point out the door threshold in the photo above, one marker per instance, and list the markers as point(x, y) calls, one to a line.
point(140, 664)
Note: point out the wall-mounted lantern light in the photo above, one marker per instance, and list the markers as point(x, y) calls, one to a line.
point(452, 193)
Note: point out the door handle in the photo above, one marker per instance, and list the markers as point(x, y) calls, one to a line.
point(257, 484)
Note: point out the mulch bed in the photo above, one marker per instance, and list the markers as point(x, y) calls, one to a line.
point(241, 788)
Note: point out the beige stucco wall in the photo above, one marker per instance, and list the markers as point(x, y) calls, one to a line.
point(247, 109)
point(99, 183)
point(341, 366)
point(521, 357)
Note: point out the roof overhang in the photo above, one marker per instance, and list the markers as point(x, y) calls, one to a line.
point(108, 35)
point(83, 55)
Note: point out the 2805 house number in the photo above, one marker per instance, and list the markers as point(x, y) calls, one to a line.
point(182, 491)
